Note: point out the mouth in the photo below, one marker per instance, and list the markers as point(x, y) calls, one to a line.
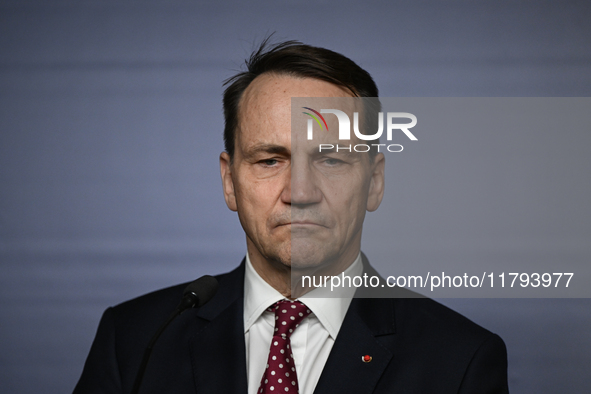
point(304, 223)
point(301, 222)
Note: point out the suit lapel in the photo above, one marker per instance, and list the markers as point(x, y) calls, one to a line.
point(368, 329)
point(218, 352)
point(369, 323)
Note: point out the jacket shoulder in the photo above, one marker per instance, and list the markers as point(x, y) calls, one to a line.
point(426, 315)
point(126, 329)
point(160, 302)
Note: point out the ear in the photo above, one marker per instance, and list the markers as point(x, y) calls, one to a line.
point(227, 181)
point(377, 183)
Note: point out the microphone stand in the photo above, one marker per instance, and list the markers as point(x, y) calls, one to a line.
point(197, 293)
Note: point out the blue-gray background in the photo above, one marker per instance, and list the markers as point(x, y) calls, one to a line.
point(110, 129)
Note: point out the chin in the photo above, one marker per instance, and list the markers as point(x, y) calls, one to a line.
point(280, 256)
point(303, 255)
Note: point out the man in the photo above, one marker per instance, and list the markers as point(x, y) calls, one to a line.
point(302, 212)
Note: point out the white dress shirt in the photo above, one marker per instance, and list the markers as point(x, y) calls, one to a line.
point(311, 342)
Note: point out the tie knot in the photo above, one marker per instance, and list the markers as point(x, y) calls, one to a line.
point(288, 315)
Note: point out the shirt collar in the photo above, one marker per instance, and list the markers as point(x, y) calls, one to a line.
point(330, 310)
point(258, 295)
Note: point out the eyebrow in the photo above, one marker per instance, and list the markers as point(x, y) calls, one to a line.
point(267, 148)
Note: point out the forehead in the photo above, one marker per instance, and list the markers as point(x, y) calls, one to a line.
point(266, 103)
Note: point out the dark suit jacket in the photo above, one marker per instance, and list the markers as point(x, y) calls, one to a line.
point(417, 345)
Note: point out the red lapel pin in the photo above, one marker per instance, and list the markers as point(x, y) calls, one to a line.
point(367, 358)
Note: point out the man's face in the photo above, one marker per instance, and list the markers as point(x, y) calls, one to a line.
point(300, 209)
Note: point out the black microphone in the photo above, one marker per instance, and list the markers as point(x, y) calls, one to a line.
point(197, 294)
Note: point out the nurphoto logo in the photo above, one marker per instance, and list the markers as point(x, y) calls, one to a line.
point(345, 129)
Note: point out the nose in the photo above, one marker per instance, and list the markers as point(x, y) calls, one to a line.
point(302, 187)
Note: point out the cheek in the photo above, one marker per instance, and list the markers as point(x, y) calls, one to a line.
point(347, 202)
point(256, 200)
point(346, 192)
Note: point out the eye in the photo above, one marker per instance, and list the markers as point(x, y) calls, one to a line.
point(269, 162)
point(332, 161)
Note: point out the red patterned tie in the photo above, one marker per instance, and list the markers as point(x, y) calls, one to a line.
point(280, 375)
